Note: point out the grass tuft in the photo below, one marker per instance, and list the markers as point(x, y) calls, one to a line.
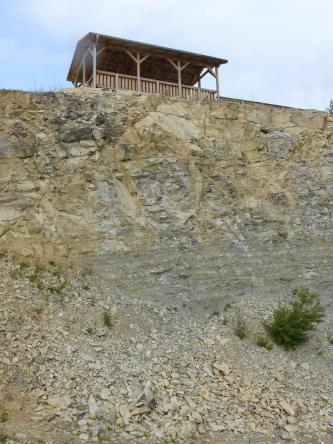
point(3, 417)
point(227, 307)
point(265, 342)
point(3, 437)
point(240, 328)
point(107, 320)
point(330, 338)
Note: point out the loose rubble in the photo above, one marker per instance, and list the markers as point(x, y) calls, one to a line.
point(155, 375)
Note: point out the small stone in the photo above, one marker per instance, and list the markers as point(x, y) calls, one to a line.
point(208, 341)
point(148, 392)
point(301, 406)
point(84, 437)
point(286, 436)
point(113, 310)
point(20, 436)
point(223, 368)
point(95, 431)
point(196, 417)
point(287, 408)
point(59, 402)
point(291, 420)
point(205, 395)
point(279, 377)
point(105, 394)
point(293, 364)
point(86, 357)
point(217, 427)
point(92, 407)
point(291, 428)
point(140, 411)
point(95, 365)
point(113, 415)
point(251, 427)
point(174, 403)
point(305, 366)
point(209, 372)
point(126, 418)
point(187, 430)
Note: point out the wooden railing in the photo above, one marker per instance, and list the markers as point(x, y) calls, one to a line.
point(106, 79)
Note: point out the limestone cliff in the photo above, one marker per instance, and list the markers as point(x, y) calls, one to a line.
point(98, 177)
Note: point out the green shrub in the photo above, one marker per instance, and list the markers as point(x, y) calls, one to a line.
point(3, 438)
point(240, 329)
point(330, 338)
point(3, 416)
point(227, 307)
point(290, 325)
point(264, 341)
point(330, 107)
point(107, 320)
point(57, 288)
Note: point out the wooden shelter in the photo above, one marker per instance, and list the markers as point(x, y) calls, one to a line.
point(102, 61)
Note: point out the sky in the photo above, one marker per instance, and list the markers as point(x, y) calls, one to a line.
point(279, 51)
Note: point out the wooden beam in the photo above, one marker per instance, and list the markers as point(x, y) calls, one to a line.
point(80, 64)
point(138, 65)
point(131, 55)
point(179, 78)
point(172, 63)
point(84, 69)
point(161, 52)
point(94, 64)
point(217, 82)
point(184, 66)
point(211, 71)
point(203, 75)
point(144, 58)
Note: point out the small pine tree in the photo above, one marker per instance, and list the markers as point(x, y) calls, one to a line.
point(290, 326)
point(330, 107)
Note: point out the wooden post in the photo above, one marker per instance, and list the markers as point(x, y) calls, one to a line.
point(217, 83)
point(138, 62)
point(116, 81)
point(179, 78)
point(94, 65)
point(84, 70)
point(138, 65)
point(179, 69)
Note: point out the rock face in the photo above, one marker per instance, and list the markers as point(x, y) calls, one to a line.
point(148, 189)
